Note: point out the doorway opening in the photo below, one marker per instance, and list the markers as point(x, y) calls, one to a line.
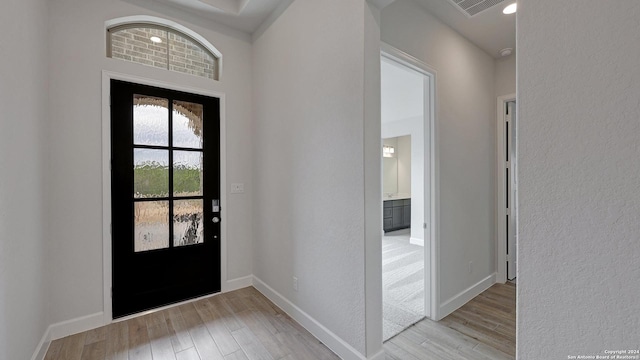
point(507, 189)
point(407, 187)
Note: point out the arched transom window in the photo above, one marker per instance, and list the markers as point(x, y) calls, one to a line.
point(162, 47)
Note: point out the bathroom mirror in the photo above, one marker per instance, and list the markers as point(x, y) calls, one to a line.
point(389, 166)
point(396, 167)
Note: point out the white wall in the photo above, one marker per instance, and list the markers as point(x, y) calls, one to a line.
point(372, 196)
point(415, 128)
point(75, 176)
point(579, 201)
point(23, 160)
point(506, 75)
point(465, 105)
point(309, 142)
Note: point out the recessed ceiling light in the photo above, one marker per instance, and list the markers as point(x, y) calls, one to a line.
point(155, 39)
point(510, 9)
point(506, 52)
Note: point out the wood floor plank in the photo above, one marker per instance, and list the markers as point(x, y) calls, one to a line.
point(493, 339)
point(190, 315)
point(223, 310)
point(206, 347)
point(139, 347)
point(444, 335)
point(159, 337)
point(491, 352)
point(398, 352)
point(482, 329)
point(94, 351)
point(476, 318)
point(95, 335)
point(54, 350)
point(298, 349)
point(188, 354)
point(316, 347)
point(424, 351)
point(217, 328)
point(117, 347)
point(72, 347)
point(251, 319)
point(250, 345)
point(238, 355)
point(178, 330)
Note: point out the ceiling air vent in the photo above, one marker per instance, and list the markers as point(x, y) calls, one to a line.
point(474, 7)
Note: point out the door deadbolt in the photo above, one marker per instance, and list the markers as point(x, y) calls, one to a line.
point(215, 219)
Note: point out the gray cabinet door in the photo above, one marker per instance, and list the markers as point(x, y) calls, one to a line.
point(397, 217)
point(406, 214)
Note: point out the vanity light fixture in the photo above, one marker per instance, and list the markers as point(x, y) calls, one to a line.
point(388, 151)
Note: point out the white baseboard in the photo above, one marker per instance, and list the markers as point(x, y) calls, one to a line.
point(416, 241)
point(326, 336)
point(43, 346)
point(238, 283)
point(465, 296)
point(65, 328)
point(74, 326)
point(379, 356)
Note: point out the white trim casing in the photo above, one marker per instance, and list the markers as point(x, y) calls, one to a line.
point(432, 171)
point(106, 177)
point(501, 238)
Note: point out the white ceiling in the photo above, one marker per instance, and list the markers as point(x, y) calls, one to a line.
point(402, 92)
point(243, 15)
point(490, 30)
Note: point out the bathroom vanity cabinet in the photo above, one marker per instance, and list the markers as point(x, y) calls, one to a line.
point(397, 214)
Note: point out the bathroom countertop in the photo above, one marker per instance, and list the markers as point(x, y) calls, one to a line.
point(396, 197)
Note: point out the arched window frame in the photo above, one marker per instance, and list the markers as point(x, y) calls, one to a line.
point(162, 24)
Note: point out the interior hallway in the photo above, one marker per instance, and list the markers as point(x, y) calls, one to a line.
point(483, 329)
point(245, 325)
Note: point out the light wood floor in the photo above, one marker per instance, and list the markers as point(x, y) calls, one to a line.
point(245, 325)
point(240, 325)
point(483, 329)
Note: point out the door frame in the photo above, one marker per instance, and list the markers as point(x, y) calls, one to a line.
point(501, 239)
point(107, 76)
point(431, 207)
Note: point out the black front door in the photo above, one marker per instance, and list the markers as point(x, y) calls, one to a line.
point(165, 191)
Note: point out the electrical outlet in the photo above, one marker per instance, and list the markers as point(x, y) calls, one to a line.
point(470, 267)
point(237, 188)
point(295, 283)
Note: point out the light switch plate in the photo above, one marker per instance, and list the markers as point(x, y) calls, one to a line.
point(237, 188)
